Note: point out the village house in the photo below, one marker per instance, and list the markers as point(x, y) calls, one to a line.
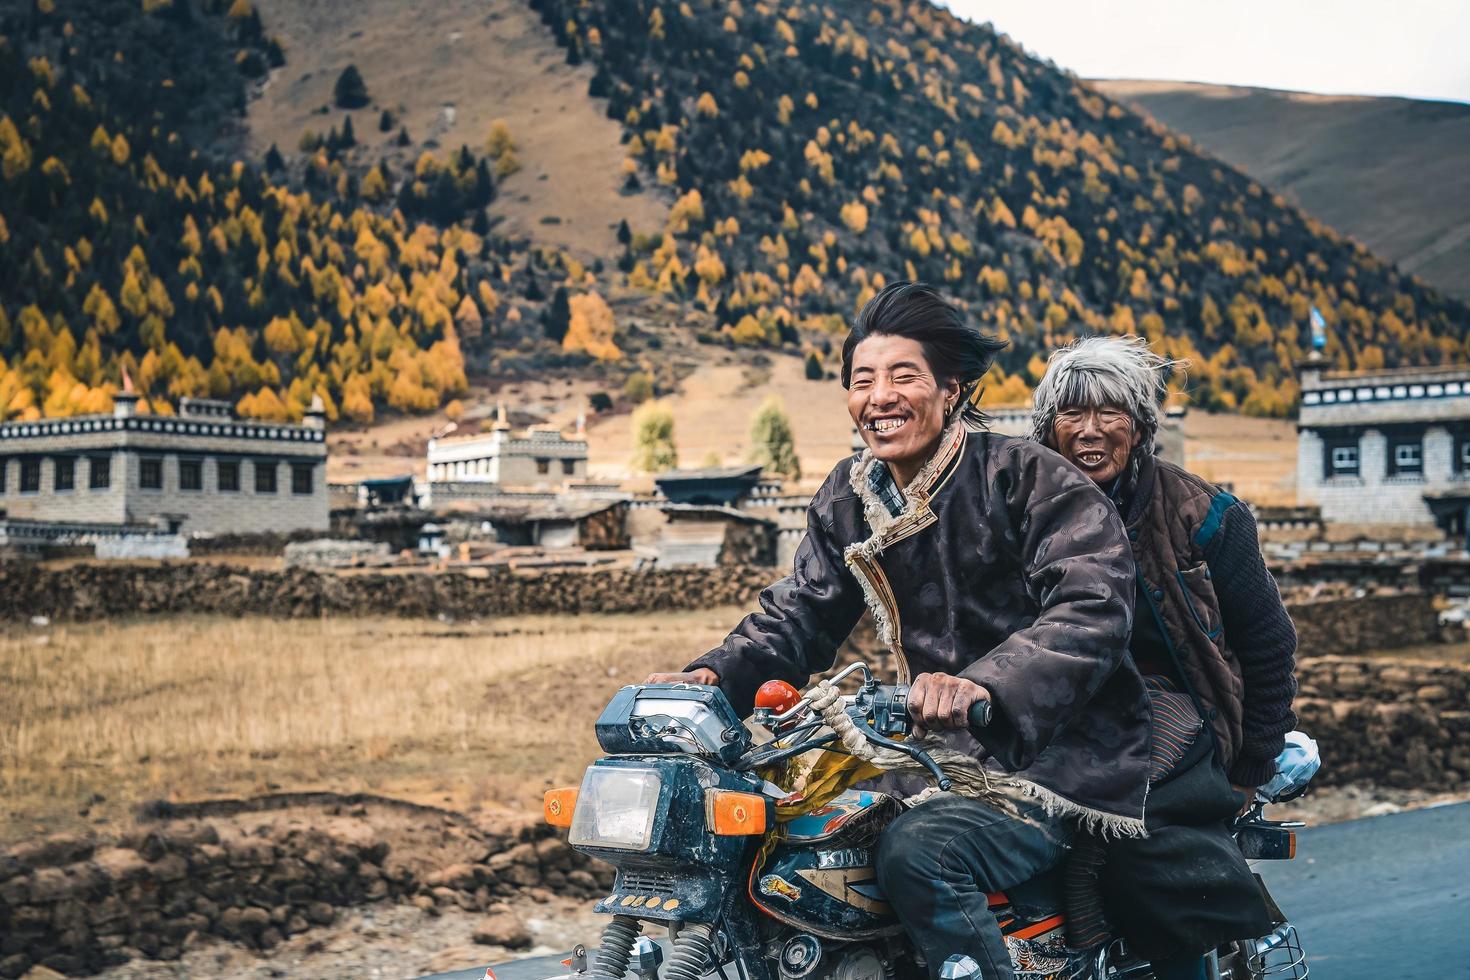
point(487, 463)
point(200, 471)
point(1387, 446)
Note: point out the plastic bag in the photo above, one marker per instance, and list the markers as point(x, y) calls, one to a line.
point(1295, 766)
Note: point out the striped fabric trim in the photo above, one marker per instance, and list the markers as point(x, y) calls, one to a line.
point(1176, 724)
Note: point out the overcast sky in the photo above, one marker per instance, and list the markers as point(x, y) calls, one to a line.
point(1417, 48)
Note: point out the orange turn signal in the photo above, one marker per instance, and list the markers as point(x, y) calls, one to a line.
point(733, 814)
point(559, 804)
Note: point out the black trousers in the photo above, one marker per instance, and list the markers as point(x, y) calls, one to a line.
point(938, 861)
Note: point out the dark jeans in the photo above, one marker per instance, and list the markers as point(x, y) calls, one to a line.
point(938, 861)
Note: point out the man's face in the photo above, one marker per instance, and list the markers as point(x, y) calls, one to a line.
point(1098, 441)
point(896, 402)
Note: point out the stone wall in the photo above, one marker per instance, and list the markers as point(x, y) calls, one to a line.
point(1339, 624)
point(88, 592)
point(79, 904)
point(1394, 723)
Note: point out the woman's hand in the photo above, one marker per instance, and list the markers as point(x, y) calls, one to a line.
point(942, 701)
point(701, 676)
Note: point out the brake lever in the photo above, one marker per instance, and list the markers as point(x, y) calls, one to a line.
point(913, 752)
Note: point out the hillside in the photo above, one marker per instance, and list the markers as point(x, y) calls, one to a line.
point(1393, 173)
point(446, 71)
point(1046, 207)
point(774, 167)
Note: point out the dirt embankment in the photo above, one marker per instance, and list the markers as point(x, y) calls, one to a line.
point(260, 871)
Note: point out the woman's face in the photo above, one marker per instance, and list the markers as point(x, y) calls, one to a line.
point(1098, 441)
point(897, 403)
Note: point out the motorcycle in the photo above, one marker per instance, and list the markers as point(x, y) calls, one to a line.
point(680, 809)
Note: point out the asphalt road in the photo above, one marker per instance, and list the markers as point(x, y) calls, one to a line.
point(1381, 898)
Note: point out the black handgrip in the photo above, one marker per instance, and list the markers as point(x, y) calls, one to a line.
point(980, 711)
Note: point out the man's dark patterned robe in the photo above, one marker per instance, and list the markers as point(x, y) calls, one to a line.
point(1006, 566)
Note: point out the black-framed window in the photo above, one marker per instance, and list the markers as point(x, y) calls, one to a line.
point(1462, 456)
point(150, 472)
point(4, 472)
point(64, 473)
point(227, 475)
point(301, 477)
point(568, 467)
point(191, 474)
point(99, 472)
point(265, 476)
point(1406, 456)
point(1343, 458)
point(30, 475)
point(543, 466)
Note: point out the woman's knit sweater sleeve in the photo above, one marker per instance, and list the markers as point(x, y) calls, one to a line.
point(1259, 632)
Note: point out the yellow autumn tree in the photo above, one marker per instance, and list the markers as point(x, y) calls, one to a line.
point(592, 328)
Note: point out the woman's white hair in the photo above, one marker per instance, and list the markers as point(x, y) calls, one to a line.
point(1097, 372)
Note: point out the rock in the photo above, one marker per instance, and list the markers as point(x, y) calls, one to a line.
point(457, 876)
point(455, 958)
point(503, 929)
point(553, 852)
point(582, 881)
point(170, 867)
point(519, 874)
point(120, 864)
point(52, 851)
point(425, 903)
point(43, 973)
point(14, 966)
point(50, 885)
point(321, 913)
point(1433, 692)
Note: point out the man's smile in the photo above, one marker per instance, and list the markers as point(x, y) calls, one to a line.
point(886, 423)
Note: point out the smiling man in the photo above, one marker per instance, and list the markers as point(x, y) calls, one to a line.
point(995, 571)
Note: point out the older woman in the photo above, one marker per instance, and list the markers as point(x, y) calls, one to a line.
point(996, 572)
point(1210, 635)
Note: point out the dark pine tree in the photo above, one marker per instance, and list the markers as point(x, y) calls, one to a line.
point(350, 92)
point(534, 292)
point(273, 162)
point(625, 234)
point(385, 122)
point(558, 316)
point(402, 138)
point(813, 367)
point(348, 138)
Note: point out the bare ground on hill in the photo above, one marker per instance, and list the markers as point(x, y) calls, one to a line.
point(1390, 172)
point(446, 70)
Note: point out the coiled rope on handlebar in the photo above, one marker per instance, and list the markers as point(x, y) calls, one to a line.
point(968, 776)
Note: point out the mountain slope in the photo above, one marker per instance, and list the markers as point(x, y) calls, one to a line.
point(445, 71)
point(821, 148)
point(1393, 173)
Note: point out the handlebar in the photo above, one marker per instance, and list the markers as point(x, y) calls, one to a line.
point(882, 711)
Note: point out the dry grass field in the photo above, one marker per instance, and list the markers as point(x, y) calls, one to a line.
point(97, 718)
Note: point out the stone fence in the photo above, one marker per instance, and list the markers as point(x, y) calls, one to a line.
point(79, 904)
point(89, 592)
point(1390, 722)
point(1339, 623)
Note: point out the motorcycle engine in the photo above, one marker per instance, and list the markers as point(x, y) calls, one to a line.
point(855, 963)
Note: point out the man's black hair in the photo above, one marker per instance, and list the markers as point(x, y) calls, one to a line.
point(953, 349)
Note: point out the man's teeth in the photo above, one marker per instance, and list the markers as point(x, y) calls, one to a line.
point(885, 425)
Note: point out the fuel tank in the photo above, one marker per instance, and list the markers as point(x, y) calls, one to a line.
point(819, 875)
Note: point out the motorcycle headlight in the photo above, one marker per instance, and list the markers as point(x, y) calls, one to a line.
point(616, 807)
